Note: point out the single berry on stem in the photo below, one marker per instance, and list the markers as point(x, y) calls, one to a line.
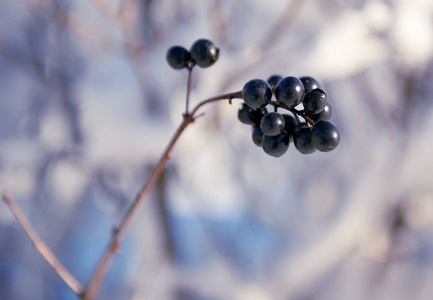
point(325, 136)
point(275, 145)
point(272, 123)
point(204, 53)
point(289, 91)
point(257, 93)
point(178, 57)
point(314, 101)
point(302, 140)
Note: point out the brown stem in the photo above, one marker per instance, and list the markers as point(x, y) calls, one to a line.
point(295, 112)
point(42, 248)
point(112, 247)
point(188, 88)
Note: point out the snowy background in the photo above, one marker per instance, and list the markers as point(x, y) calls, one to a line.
point(88, 103)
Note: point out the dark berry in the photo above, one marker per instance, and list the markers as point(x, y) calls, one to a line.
point(257, 135)
point(289, 125)
point(250, 116)
point(243, 116)
point(324, 136)
point(289, 91)
point(309, 83)
point(273, 81)
point(204, 53)
point(302, 140)
point(315, 101)
point(325, 114)
point(275, 145)
point(257, 93)
point(272, 123)
point(256, 115)
point(178, 57)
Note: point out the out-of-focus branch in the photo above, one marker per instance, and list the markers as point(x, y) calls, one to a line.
point(286, 20)
point(275, 33)
point(107, 10)
point(42, 248)
point(83, 29)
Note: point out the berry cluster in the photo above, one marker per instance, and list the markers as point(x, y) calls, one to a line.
point(202, 53)
point(306, 123)
point(274, 131)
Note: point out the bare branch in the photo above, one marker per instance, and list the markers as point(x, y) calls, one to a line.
point(80, 27)
point(113, 246)
point(42, 248)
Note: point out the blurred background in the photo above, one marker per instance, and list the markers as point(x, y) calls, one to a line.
point(88, 103)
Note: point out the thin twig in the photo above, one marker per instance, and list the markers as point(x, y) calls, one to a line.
point(42, 248)
point(188, 89)
point(112, 247)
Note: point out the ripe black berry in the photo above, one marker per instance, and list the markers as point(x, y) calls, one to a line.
point(275, 145)
point(324, 136)
point(257, 93)
point(251, 116)
point(309, 83)
point(204, 53)
point(273, 81)
point(256, 115)
point(243, 114)
point(315, 101)
point(302, 140)
point(178, 57)
point(272, 123)
point(325, 114)
point(289, 91)
point(289, 125)
point(257, 135)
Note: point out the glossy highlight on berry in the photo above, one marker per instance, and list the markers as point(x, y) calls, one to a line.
point(309, 83)
point(272, 123)
point(178, 57)
point(314, 101)
point(204, 53)
point(257, 93)
point(290, 91)
point(324, 136)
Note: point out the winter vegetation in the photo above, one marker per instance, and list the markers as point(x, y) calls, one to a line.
point(88, 103)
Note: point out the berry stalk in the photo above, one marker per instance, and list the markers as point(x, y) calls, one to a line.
point(188, 87)
point(101, 269)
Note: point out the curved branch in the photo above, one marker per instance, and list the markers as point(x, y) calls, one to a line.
point(228, 96)
point(101, 269)
point(42, 248)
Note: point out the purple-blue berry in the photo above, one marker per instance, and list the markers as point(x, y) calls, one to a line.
point(257, 93)
point(289, 91)
point(325, 136)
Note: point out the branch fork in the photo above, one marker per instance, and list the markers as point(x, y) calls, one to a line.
point(113, 246)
